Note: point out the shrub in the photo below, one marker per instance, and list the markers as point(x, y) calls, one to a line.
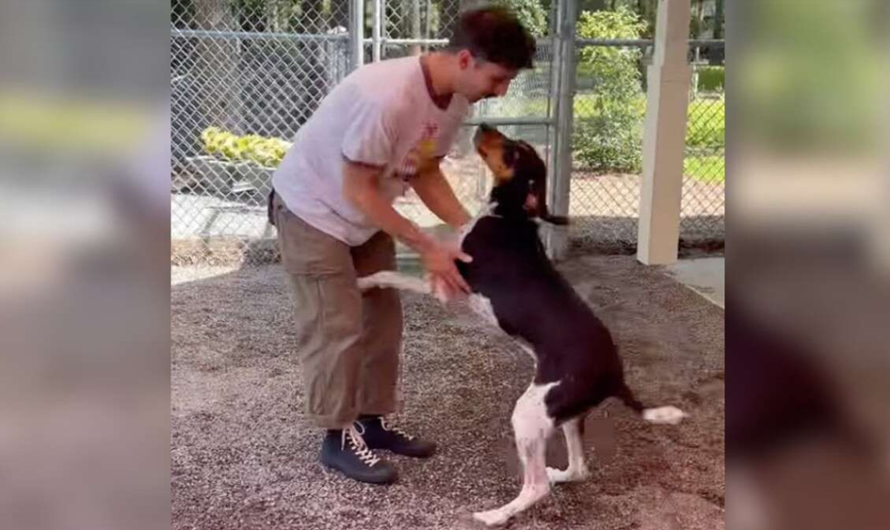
point(530, 13)
point(266, 152)
point(610, 138)
point(606, 144)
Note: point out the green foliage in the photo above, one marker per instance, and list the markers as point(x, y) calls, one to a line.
point(711, 78)
point(707, 124)
point(609, 138)
point(530, 12)
point(266, 152)
point(607, 143)
point(710, 169)
point(705, 141)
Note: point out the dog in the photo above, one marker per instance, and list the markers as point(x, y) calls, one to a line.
point(516, 287)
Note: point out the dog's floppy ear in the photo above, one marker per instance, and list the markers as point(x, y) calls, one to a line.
point(537, 203)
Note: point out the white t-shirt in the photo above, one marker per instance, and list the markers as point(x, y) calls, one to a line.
point(381, 115)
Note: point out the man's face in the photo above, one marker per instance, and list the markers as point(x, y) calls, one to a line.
point(481, 79)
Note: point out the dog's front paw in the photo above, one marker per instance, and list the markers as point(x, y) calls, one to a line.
point(491, 517)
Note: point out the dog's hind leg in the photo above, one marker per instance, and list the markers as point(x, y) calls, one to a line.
point(577, 469)
point(532, 426)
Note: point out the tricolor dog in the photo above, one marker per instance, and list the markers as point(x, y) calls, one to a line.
point(516, 287)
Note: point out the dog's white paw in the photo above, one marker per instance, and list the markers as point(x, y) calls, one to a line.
point(491, 517)
point(669, 415)
point(558, 475)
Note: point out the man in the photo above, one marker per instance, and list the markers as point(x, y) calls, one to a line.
point(384, 128)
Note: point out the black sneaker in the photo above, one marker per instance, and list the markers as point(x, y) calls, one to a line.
point(379, 434)
point(347, 452)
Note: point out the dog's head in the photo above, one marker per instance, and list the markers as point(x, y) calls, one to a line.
point(520, 176)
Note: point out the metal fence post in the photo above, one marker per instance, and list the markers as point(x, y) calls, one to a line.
point(559, 185)
point(664, 136)
point(357, 32)
point(377, 29)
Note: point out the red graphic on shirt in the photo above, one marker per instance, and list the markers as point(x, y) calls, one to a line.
point(422, 154)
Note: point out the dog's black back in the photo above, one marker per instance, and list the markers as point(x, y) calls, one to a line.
point(533, 301)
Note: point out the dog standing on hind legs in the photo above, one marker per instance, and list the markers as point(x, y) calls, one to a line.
point(516, 287)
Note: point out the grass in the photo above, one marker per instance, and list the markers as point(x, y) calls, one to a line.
point(707, 123)
point(707, 117)
point(706, 130)
point(710, 169)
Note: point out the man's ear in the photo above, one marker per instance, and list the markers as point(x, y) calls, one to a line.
point(464, 59)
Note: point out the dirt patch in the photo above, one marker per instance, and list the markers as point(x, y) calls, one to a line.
point(244, 457)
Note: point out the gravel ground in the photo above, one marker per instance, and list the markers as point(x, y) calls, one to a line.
point(244, 457)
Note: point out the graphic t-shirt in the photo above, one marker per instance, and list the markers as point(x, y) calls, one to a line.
point(381, 115)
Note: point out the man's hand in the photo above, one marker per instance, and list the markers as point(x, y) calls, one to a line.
point(361, 188)
point(438, 260)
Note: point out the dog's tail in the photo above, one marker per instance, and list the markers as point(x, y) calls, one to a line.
point(660, 415)
point(394, 280)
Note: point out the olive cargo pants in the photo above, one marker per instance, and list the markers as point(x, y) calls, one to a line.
point(348, 341)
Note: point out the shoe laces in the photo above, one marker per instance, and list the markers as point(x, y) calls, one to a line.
point(392, 428)
point(354, 434)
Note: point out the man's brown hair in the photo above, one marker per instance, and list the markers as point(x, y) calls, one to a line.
point(494, 34)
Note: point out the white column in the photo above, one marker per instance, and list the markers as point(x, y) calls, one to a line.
point(664, 137)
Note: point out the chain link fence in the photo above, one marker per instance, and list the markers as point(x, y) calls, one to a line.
point(609, 113)
point(246, 74)
point(704, 167)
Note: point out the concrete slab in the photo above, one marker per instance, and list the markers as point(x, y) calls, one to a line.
point(706, 276)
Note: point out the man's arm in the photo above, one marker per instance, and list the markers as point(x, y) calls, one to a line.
point(361, 187)
point(436, 193)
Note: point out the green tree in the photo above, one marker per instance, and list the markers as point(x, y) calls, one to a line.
point(611, 138)
point(531, 13)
